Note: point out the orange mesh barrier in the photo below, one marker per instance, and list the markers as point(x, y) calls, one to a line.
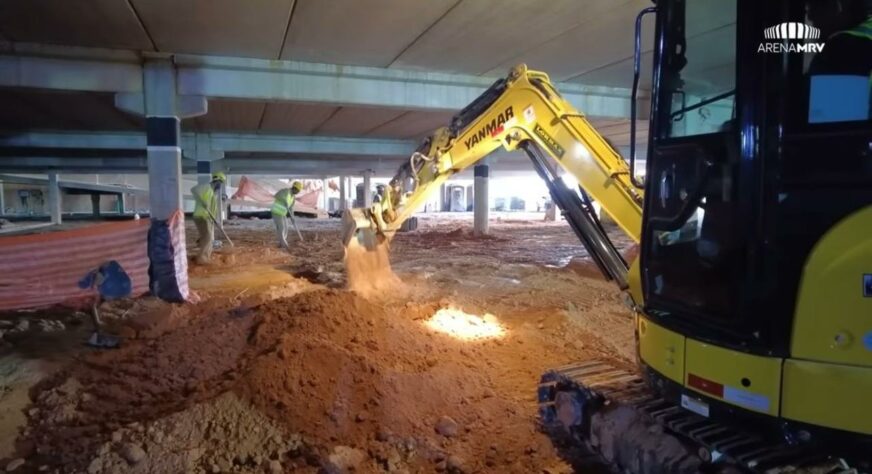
point(40, 270)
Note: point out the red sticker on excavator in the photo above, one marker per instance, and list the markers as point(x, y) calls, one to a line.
point(704, 385)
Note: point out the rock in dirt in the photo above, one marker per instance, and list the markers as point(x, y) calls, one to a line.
point(77, 318)
point(344, 459)
point(275, 466)
point(14, 464)
point(447, 427)
point(50, 325)
point(22, 325)
point(383, 434)
point(133, 453)
point(455, 464)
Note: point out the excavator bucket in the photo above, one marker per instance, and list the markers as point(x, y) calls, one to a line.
point(367, 257)
point(358, 229)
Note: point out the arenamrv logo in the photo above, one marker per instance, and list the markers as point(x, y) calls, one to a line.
point(791, 37)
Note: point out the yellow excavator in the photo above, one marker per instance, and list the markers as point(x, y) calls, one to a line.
point(752, 293)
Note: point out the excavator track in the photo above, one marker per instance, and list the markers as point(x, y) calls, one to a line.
point(612, 414)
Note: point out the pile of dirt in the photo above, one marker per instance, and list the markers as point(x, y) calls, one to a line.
point(225, 434)
point(345, 371)
point(76, 411)
point(328, 379)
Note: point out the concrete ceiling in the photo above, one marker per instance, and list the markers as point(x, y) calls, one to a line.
point(583, 41)
point(587, 41)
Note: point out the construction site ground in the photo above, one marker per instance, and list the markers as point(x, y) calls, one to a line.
point(276, 367)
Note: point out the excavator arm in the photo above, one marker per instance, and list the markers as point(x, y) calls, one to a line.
point(522, 111)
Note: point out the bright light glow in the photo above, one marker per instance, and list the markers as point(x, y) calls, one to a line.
point(464, 326)
point(581, 152)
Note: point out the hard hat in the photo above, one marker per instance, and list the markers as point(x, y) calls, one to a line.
point(297, 186)
point(219, 176)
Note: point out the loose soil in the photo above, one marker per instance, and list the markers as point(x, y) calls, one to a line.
point(280, 368)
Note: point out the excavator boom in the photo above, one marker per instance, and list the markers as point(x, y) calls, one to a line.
point(522, 111)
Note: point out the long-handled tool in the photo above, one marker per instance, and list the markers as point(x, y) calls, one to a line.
point(218, 226)
point(294, 223)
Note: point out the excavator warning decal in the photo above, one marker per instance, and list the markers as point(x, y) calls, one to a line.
point(549, 141)
point(530, 114)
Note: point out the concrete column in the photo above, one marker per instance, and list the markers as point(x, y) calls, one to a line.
point(95, 205)
point(343, 190)
point(2, 199)
point(470, 196)
point(166, 249)
point(163, 139)
point(367, 189)
point(443, 198)
point(325, 203)
point(54, 199)
point(480, 208)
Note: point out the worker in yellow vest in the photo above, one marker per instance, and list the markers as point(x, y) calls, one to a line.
point(282, 209)
point(206, 213)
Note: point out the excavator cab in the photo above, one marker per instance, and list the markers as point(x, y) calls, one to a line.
point(756, 248)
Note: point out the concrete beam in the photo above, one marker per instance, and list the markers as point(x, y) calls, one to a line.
point(310, 167)
point(100, 165)
point(72, 185)
point(203, 77)
point(75, 140)
point(340, 85)
point(213, 146)
point(84, 165)
point(257, 143)
point(69, 68)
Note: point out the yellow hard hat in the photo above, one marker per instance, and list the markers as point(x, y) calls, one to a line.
point(219, 176)
point(297, 186)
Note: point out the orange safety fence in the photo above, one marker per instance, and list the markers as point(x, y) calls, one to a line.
point(40, 270)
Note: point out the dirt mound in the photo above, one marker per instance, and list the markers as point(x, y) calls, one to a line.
point(346, 371)
point(369, 387)
point(222, 435)
point(75, 411)
point(348, 363)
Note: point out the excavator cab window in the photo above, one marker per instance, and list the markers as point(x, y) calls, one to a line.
point(691, 248)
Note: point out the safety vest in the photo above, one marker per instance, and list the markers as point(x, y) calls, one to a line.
point(204, 194)
point(284, 202)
